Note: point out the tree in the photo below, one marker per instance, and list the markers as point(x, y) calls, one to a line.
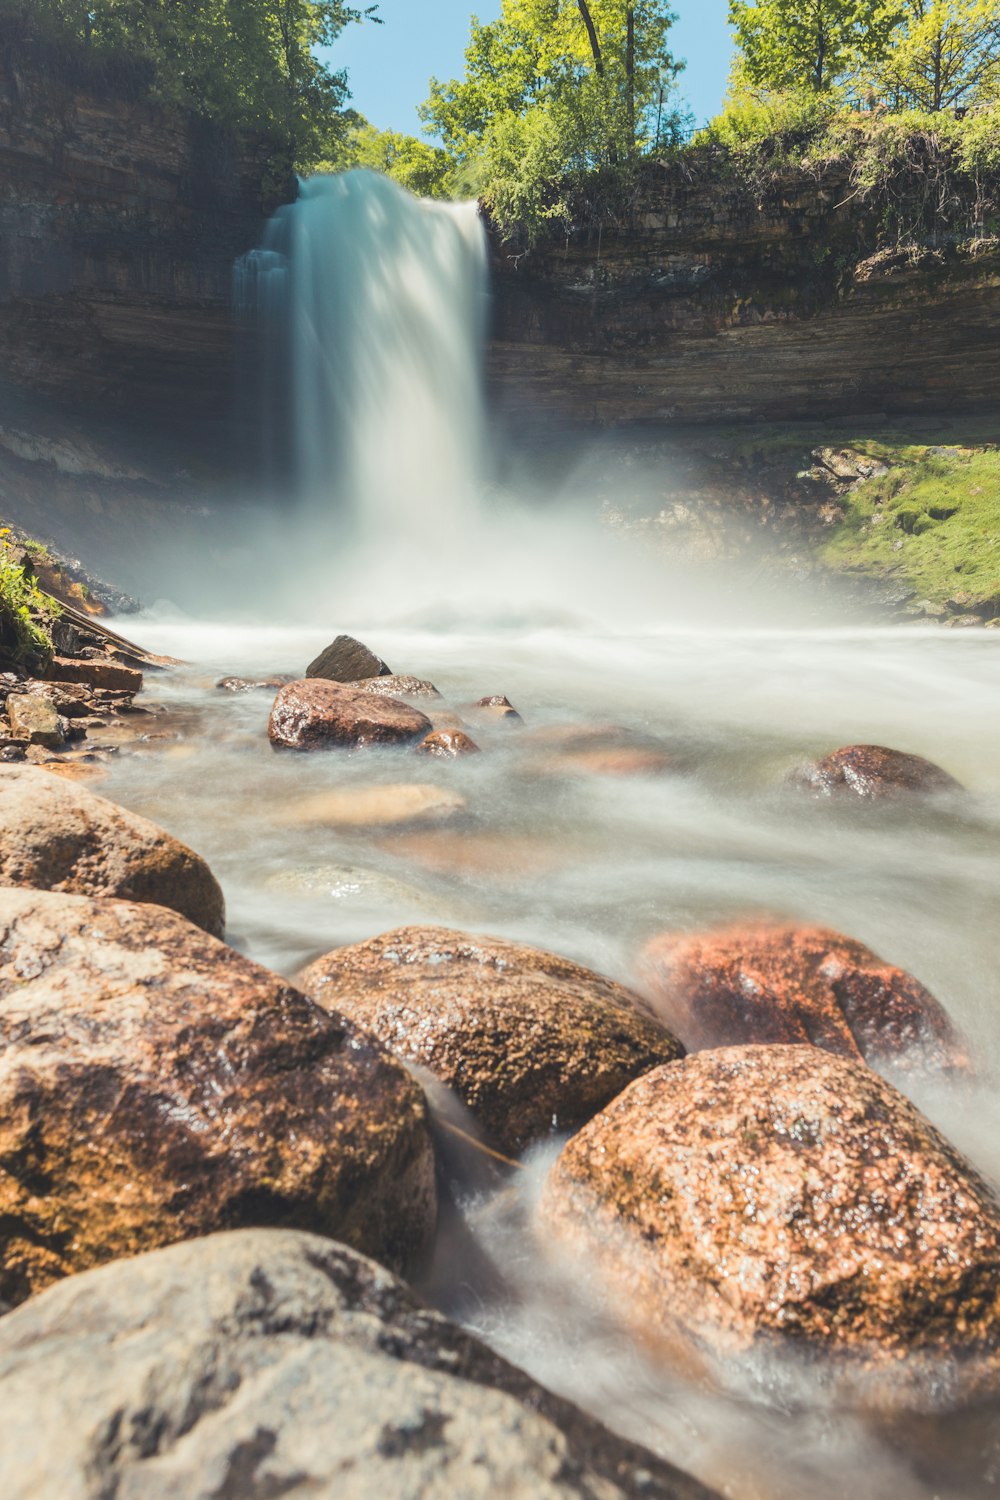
point(944, 53)
point(809, 44)
point(413, 163)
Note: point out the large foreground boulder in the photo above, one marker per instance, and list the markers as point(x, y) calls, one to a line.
point(873, 772)
point(781, 1198)
point(530, 1042)
point(270, 1363)
point(774, 983)
point(55, 836)
point(321, 715)
point(154, 1086)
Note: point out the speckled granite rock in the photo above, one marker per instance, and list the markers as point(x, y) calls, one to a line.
point(872, 771)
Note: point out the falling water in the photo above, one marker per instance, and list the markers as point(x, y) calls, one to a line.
point(369, 305)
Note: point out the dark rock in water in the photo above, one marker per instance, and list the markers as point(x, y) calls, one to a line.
point(253, 684)
point(347, 660)
point(157, 1086)
point(56, 837)
point(396, 685)
point(275, 1363)
point(779, 1198)
point(33, 719)
point(447, 744)
point(530, 1042)
point(316, 715)
point(872, 771)
point(770, 983)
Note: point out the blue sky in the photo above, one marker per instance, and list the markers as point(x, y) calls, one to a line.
point(389, 65)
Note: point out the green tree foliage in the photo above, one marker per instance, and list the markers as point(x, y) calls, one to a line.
point(422, 168)
point(809, 45)
point(553, 90)
point(944, 53)
point(248, 64)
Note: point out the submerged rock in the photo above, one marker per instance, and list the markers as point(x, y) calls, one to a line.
point(347, 660)
point(253, 684)
point(496, 709)
point(872, 771)
point(59, 837)
point(771, 983)
point(275, 1363)
point(781, 1199)
point(530, 1042)
point(156, 1086)
point(393, 685)
point(447, 744)
point(317, 715)
point(594, 750)
point(375, 806)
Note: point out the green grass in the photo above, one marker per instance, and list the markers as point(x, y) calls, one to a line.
point(26, 616)
point(931, 522)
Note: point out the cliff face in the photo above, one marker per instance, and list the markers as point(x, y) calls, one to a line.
point(717, 305)
point(119, 224)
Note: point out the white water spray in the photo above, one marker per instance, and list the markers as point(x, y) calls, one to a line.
point(370, 306)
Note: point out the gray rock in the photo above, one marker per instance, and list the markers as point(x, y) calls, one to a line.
point(347, 660)
point(35, 720)
point(259, 1364)
point(56, 836)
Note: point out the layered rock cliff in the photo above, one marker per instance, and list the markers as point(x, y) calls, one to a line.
point(718, 304)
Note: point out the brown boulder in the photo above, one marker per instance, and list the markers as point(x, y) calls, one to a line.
point(55, 836)
point(530, 1042)
point(779, 1197)
point(99, 672)
point(157, 1085)
point(872, 771)
point(447, 744)
point(769, 983)
point(347, 660)
point(395, 685)
point(317, 715)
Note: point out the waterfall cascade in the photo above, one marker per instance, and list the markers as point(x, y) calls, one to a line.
point(370, 313)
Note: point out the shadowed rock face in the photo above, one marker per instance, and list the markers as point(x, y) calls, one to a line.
point(530, 1042)
point(315, 714)
point(873, 771)
point(771, 983)
point(782, 1198)
point(155, 1085)
point(272, 1363)
point(347, 660)
point(59, 837)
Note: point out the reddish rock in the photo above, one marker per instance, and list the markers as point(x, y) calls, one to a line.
point(530, 1042)
point(771, 983)
point(347, 660)
point(873, 771)
point(395, 685)
point(318, 715)
point(780, 1196)
point(495, 709)
point(98, 672)
point(157, 1086)
point(447, 744)
point(55, 836)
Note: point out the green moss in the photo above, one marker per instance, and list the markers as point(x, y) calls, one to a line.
point(26, 615)
point(932, 521)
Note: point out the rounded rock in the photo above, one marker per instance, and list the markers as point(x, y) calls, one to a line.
point(395, 685)
point(447, 744)
point(773, 983)
point(57, 836)
point(157, 1086)
point(873, 771)
point(316, 714)
point(783, 1199)
point(530, 1042)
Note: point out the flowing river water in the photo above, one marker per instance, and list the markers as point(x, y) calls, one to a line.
point(591, 865)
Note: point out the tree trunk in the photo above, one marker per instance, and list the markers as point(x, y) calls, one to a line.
point(595, 45)
point(630, 74)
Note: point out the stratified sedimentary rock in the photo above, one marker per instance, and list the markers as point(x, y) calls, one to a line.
point(274, 1363)
point(58, 837)
point(155, 1086)
point(781, 1198)
point(321, 715)
point(530, 1042)
point(873, 771)
point(775, 983)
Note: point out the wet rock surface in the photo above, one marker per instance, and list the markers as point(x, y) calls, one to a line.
point(375, 806)
point(529, 1041)
point(55, 836)
point(774, 983)
point(495, 708)
point(157, 1086)
point(275, 1363)
point(780, 1198)
point(395, 685)
point(872, 771)
point(242, 685)
point(347, 660)
point(447, 744)
point(317, 714)
point(593, 750)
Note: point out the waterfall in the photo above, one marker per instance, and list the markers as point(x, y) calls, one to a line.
point(369, 306)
